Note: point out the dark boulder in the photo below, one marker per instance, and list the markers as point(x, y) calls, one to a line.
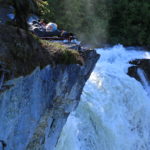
point(143, 64)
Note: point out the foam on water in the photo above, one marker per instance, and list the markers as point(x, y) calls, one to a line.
point(144, 80)
point(114, 113)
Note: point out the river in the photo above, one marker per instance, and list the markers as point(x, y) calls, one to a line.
point(114, 111)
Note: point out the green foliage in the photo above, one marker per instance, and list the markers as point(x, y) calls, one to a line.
point(129, 22)
point(101, 21)
point(80, 17)
point(43, 9)
point(94, 21)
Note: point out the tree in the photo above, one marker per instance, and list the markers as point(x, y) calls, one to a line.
point(22, 10)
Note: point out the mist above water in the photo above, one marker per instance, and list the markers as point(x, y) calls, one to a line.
point(88, 19)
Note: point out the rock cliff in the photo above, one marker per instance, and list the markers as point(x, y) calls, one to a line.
point(34, 109)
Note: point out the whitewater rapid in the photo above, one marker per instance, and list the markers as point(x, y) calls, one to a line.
point(114, 112)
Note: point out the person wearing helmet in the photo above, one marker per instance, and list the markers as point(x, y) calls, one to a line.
point(51, 27)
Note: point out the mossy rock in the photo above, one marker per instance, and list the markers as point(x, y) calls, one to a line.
point(22, 52)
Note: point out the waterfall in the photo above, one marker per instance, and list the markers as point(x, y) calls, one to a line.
point(144, 80)
point(114, 112)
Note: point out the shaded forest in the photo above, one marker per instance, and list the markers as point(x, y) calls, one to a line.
point(103, 21)
point(98, 22)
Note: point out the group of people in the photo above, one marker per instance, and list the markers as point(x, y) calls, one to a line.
point(41, 29)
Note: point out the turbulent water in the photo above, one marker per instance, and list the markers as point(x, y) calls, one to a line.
point(144, 80)
point(114, 113)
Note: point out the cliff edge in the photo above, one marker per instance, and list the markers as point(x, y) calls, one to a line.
point(37, 95)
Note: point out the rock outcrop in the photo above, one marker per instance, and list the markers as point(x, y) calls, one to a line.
point(143, 64)
point(34, 109)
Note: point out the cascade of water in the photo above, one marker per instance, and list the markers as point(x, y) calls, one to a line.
point(144, 80)
point(114, 111)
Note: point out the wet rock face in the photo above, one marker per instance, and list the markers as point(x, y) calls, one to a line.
point(34, 110)
point(143, 64)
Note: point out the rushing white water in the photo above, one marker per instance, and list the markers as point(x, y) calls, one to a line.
point(114, 113)
point(144, 80)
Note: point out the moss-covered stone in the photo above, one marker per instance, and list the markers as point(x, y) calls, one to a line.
point(21, 52)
